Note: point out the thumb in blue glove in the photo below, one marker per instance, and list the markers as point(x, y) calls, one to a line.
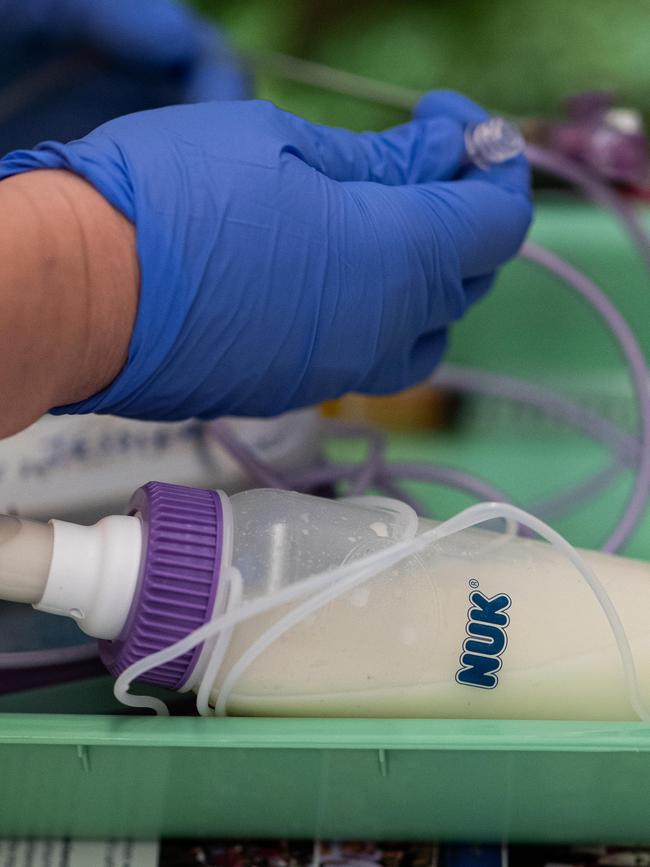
point(284, 263)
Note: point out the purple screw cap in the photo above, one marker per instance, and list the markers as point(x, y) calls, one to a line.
point(177, 584)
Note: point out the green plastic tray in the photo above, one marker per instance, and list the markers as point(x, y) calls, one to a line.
point(406, 779)
point(70, 766)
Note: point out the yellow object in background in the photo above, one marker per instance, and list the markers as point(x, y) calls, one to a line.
point(421, 407)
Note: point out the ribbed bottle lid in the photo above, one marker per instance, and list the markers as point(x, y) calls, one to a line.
point(177, 584)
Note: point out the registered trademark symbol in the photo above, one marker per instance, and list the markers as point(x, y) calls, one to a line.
point(473, 583)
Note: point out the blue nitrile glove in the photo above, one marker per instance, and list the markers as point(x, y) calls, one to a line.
point(284, 263)
point(67, 66)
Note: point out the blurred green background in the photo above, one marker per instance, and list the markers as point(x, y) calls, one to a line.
point(517, 56)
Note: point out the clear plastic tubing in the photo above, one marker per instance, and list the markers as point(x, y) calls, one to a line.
point(492, 141)
point(401, 631)
point(638, 373)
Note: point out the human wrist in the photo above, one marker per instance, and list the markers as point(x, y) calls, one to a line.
point(69, 287)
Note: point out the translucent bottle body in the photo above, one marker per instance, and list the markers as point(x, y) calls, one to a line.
point(398, 644)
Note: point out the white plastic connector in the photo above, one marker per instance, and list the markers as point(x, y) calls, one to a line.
point(493, 141)
point(94, 573)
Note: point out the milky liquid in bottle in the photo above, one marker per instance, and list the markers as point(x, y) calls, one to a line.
point(478, 625)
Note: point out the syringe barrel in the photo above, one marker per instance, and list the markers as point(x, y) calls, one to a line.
point(25, 556)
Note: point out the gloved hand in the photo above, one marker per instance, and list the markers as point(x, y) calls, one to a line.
point(284, 263)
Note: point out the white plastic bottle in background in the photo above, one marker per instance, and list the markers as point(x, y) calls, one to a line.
point(83, 467)
point(478, 624)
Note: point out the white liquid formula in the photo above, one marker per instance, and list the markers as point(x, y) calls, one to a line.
point(478, 625)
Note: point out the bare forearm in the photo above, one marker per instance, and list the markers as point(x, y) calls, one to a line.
point(68, 293)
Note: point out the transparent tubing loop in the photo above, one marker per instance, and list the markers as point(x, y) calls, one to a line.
point(327, 585)
point(235, 588)
point(469, 517)
point(638, 372)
